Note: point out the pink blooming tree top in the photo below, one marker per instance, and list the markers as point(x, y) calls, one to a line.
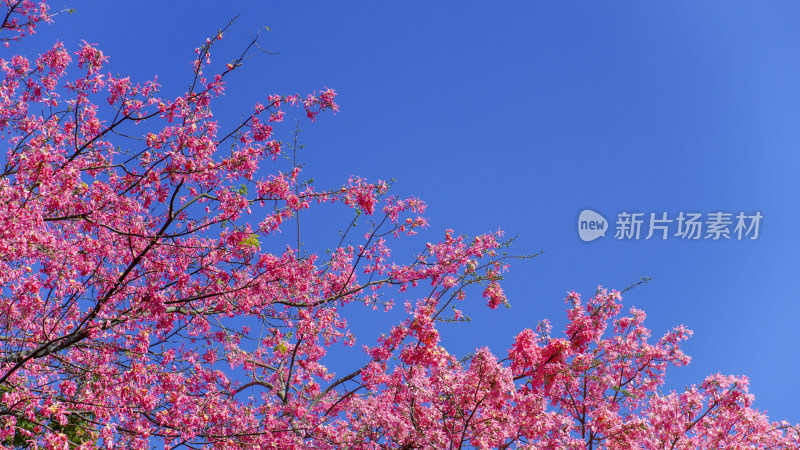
point(145, 303)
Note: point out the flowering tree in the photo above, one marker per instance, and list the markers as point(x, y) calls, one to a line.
point(138, 307)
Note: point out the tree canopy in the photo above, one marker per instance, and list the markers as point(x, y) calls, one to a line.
point(142, 301)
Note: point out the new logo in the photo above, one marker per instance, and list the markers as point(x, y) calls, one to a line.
point(591, 225)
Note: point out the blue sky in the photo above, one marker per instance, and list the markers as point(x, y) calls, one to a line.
point(519, 116)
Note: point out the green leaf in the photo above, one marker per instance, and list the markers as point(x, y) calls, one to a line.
point(251, 241)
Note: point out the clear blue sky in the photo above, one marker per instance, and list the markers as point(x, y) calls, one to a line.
point(520, 116)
